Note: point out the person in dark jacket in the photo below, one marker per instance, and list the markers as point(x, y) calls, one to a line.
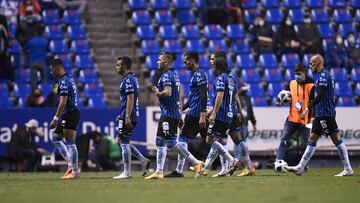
point(286, 39)
point(247, 111)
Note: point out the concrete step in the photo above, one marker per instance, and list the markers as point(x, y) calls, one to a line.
point(109, 43)
point(106, 29)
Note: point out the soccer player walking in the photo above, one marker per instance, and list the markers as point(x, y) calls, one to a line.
point(324, 122)
point(66, 119)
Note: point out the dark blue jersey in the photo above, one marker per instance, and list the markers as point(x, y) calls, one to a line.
point(225, 84)
point(129, 86)
point(67, 87)
point(326, 106)
point(237, 87)
point(198, 81)
point(170, 105)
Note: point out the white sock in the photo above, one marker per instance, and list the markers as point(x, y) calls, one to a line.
point(126, 155)
point(309, 152)
point(237, 151)
point(181, 160)
point(221, 150)
point(343, 153)
point(210, 158)
point(160, 159)
point(74, 157)
point(135, 152)
point(244, 154)
point(63, 150)
point(181, 148)
point(224, 165)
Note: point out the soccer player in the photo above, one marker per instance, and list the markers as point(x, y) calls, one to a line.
point(66, 119)
point(302, 91)
point(167, 91)
point(129, 113)
point(324, 122)
point(195, 120)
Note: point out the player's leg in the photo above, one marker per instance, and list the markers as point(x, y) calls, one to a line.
point(124, 139)
point(288, 131)
point(244, 154)
point(145, 162)
point(57, 140)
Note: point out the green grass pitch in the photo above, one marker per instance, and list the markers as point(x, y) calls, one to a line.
point(318, 185)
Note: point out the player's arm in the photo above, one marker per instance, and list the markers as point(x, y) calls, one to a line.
point(129, 109)
point(218, 101)
point(165, 93)
point(203, 100)
point(60, 109)
point(238, 104)
point(315, 101)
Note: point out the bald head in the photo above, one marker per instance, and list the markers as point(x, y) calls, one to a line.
point(316, 63)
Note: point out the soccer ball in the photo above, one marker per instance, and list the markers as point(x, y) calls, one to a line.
point(284, 96)
point(279, 166)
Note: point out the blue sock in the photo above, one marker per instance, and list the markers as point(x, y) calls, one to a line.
point(160, 159)
point(73, 155)
point(61, 147)
point(244, 151)
point(221, 150)
point(181, 149)
point(223, 161)
point(210, 158)
point(137, 154)
point(343, 154)
point(126, 155)
point(309, 152)
point(181, 160)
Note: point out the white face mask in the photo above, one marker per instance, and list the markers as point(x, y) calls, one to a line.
point(288, 22)
point(351, 39)
point(339, 40)
point(261, 23)
point(307, 20)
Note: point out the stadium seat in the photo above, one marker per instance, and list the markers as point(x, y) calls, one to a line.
point(185, 17)
point(291, 4)
point(230, 61)
point(22, 90)
point(186, 88)
point(270, 4)
point(182, 4)
point(211, 78)
point(259, 101)
point(306, 59)
point(144, 32)
point(217, 45)
point(346, 101)
point(340, 74)
point(150, 47)
point(326, 31)
point(4, 91)
point(163, 17)
point(6, 103)
point(14, 47)
point(342, 16)
point(195, 45)
point(67, 61)
point(54, 32)
point(97, 103)
point(12, 30)
point(137, 4)
point(14, 61)
point(342, 89)
point(151, 61)
point(250, 76)
point(58, 47)
point(23, 75)
point(84, 61)
point(275, 88)
point(289, 61)
point(172, 46)
point(248, 4)
point(51, 17)
point(159, 4)
point(268, 61)
point(88, 76)
point(190, 32)
point(314, 3)
point(319, 16)
point(297, 15)
point(184, 75)
point(198, 4)
point(204, 61)
point(141, 17)
point(80, 47)
point(168, 32)
point(92, 89)
point(72, 17)
point(273, 75)
point(344, 29)
point(245, 61)
point(256, 90)
point(357, 16)
point(240, 46)
point(355, 4)
point(235, 31)
point(289, 75)
point(46, 89)
point(178, 63)
point(213, 32)
point(334, 4)
point(357, 89)
point(274, 16)
point(76, 32)
point(250, 15)
point(355, 74)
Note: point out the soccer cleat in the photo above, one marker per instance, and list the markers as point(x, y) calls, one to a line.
point(145, 167)
point(122, 176)
point(234, 165)
point(198, 169)
point(71, 176)
point(174, 174)
point(221, 174)
point(155, 175)
point(345, 173)
point(204, 172)
point(294, 169)
point(247, 172)
point(68, 171)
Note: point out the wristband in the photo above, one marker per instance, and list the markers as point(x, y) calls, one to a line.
point(56, 118)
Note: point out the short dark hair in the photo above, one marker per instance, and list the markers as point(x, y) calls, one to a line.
point(170, 55)
point(193, 55)
point(126, 61)
point(56, 63)
point(221, 64)
point(300, 68)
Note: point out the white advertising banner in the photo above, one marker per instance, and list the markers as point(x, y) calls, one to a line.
point(270, 123)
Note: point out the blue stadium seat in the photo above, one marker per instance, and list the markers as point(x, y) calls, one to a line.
point(182, 4)
point(150, 47)
point(273, 75)
point(190, 32)
point(88, 76)
point(274, 16)
point(168, 32)
point(291, 4)
point(256, 90)
point(58, 47)
point(23, 75)
point(67, 61)
point(12, 30)
point(159, 4)
point(230, 61)
point(54, 32)
point(258, 101)
point(357, 16)
point(340, 74)
point(51, 17)
point(184, 75)
point(137, 4)
point(297, 15)
point(342, 89)
point(4, 91)
point(346, 101)
point(268, 61)
point(163, 17)
point(22, 90)
point(97, 103)
point(249, 4)
point(195, 45)
point(289, 75)
point(186, 88)
point(217, 45)
point(211, 78)
point(235, 31)
point(15, 61)
point(76, 32)
point(245, 61)
point(92, 89)
point(84, 61)
point(46, 89)
point(357, 89)
point(141, 17)
point(185, 17)
point(250, 15)
point(334, 4)
point(72, 17)
point(269, 4)
point(145, 32)
point(80, 47)
point(275, 88)
point(319, 16)
point(326, 31)
point(306, 59)
point(250, 75)
point(355, 74)
point(344, 29)
point(213, 32)
point(198, 4)
point(178, 63)
point(289, 61)
point(151, 61)
point(172, 46)
point(314, 3)
point(240, 46)
point(342, 16)
point(204, 61)
point(14, 47)
point(355, 4)
point(6, 103)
